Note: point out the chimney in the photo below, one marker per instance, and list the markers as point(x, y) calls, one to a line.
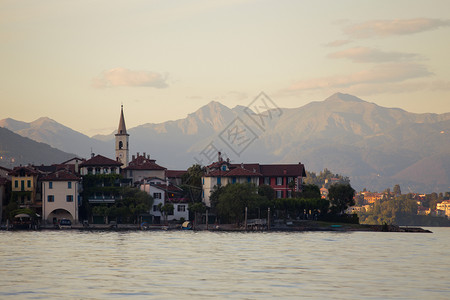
point(138, 154)
point(143, 154)
point(219, 156)
point(242, 165)
point(133, 157)
point(92, 155)
point(284, 171)
point(148, 156)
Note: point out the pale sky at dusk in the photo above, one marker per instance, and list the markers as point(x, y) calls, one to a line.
point(78, 61)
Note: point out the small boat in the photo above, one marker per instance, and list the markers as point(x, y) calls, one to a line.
point(186, 225)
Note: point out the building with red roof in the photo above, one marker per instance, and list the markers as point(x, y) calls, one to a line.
point(142, 166)
point(283, 178)
point(98, 164)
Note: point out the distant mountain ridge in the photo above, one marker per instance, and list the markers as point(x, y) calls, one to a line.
point(46, 130)
point(20, 150)
point(375, 146)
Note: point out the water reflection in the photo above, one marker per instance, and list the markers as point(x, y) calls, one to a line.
point(317, 265)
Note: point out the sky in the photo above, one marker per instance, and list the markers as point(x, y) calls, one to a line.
point(77, 62)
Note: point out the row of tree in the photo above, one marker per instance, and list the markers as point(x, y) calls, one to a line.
point(229, 202)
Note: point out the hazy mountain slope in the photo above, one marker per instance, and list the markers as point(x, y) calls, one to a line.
point(50, 132)
point(375, 146)
point(16, 150)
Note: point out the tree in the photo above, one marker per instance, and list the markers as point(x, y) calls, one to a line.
point(233, 198)
point(310, 191)
point(192, 182)
point(167, 209)
point(266, 191)
point(341, 197)
point(397, 191)
point(197, 208)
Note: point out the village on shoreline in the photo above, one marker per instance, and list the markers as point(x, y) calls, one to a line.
point(100, 193)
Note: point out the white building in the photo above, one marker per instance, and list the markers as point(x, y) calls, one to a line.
point(444, 206)
point(164, 192)
point(60, 196)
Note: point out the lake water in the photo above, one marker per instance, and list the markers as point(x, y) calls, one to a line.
point(206, 265)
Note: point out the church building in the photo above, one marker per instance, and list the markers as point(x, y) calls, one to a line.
point(122, 146)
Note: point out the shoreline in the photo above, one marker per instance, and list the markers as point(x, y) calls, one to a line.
point(306, 227)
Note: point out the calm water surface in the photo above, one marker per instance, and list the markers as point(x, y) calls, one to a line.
point(205, 265)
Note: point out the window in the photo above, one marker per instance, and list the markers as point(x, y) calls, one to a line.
point(29, 183)
point(181, 208)
point(219, 180)
point(279, 180)
point(120, 144)
point(97, 170)
point(267, 180)
point(233, 179)
point(50, 185)
point(69, 184)
point(249, 179)
point(156, 195)
point(105, 170)
point(224, 168)
point(155, 207)
point(290, 179)
point(50, 198)
point(69, 198)
point(203, 180)
point(279, 194)
point(16, 183)
point(289, 194)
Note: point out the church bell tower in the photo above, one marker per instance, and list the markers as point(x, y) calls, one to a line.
point(122, 150)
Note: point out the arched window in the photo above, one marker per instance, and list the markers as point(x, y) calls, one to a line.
point(120, 145)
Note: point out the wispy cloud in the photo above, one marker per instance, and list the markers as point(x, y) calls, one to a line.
point(384, 73)
point(364, 55)
point(381, 28)
point(337, 43)
point(124, 77)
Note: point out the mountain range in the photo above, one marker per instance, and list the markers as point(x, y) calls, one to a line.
point(377, 147)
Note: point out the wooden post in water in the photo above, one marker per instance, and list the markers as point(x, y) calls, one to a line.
point(245, 223)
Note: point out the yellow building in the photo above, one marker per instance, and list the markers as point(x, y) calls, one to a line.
point(24, 181)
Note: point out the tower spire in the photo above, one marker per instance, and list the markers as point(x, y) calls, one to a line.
point(122, 128)
point(122, 150)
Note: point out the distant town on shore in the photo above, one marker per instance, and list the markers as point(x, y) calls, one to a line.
point(101, 190)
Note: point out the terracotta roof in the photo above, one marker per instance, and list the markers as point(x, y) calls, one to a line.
point(253, 166)
point(143, 163)
point(28, 170)
point(293, 170)
point(80, 160)
point(175, 173)
point(235, 172)
point(5, 169)
point(61, 175)
point(100, 160)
